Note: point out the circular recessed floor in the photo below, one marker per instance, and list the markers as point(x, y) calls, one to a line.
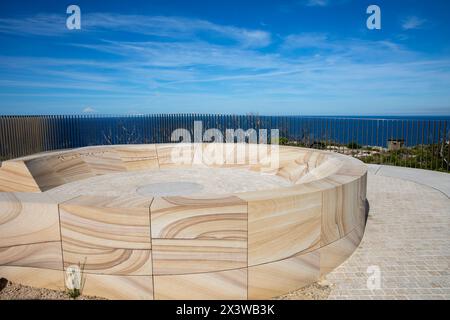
point(170, 182)
point(170, 188)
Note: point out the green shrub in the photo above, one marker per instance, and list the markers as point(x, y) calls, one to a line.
point(353, 145)
point(283, 141)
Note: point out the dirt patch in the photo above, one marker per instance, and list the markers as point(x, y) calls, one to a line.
point(15, 291)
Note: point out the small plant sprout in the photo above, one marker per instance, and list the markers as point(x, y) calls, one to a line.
point(74, 280)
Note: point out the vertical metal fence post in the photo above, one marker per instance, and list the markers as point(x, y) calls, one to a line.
point(419, 143)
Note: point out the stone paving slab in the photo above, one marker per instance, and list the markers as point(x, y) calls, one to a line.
point(407, 239)
point(434, 179)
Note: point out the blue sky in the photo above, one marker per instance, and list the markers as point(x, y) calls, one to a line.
point(304, 57)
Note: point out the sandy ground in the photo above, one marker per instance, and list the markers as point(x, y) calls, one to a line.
point(14, 291)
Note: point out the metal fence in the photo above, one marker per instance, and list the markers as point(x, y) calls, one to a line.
point(418, 143)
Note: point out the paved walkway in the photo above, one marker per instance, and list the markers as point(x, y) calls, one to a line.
point(437, 180)
point(407, 237)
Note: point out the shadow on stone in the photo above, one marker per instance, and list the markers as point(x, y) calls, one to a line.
point(367, 209)
point(3, 283)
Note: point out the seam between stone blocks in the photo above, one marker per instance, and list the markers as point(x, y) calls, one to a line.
point(60, 240)
point(151, 243)
point(247, 253)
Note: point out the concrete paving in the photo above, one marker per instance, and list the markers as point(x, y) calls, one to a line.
point(406, 244)
point(434, 179)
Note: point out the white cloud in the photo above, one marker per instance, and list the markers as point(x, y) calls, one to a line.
point(307, 40)
point(316, 3)
point(89, 110)
point(188, 54)
point(357, 49)
point(40, 24)
point(141, 69)
point(175, 27)
point(181, 66)
point(322, 3)
point(160, 26)
point(413, 22)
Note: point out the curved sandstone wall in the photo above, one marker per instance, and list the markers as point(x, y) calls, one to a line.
point(252, 245)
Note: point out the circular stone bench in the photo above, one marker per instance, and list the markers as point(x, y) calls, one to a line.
point(255, 244)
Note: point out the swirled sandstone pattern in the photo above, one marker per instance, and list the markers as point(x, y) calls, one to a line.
point(255, 244)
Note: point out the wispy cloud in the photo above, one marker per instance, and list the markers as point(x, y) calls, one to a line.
point(322, 3)
point(413, 22)
point(324, 45)
point(175, 27)
point(316, 3)
point(40, 24)
point(169, 71)
point(187, 54)
point(158, 26)
point(307, 40)
point(186, 63)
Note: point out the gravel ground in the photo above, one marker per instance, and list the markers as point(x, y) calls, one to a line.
point(15, 291)
point(316, 291)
